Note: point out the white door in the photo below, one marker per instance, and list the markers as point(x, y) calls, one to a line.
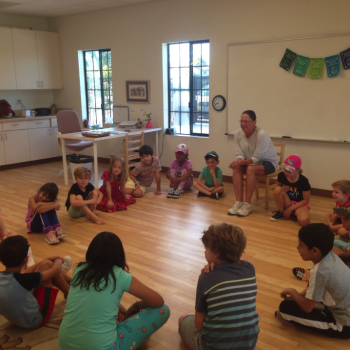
point(16, 146)
point(7, 64)
point(49, 60)
point(40, 143)
point(26, 59)
point(2, 149)
point(56, 148)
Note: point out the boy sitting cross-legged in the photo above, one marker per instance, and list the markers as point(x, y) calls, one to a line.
point(341, 196)
point(209, 182)
point(324, 305)
point(27, 297)
point(143, 174)
point(225, 316)
point(83, 198)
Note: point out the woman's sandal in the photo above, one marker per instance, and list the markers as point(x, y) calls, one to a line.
point(59, 233)
point(50, 238)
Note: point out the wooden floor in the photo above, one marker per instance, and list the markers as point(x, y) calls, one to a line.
point(161, 238)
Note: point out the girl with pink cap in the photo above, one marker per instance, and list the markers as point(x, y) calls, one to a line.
point(292, 193)
point(180, 172)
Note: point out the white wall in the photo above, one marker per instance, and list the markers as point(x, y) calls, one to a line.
point(30, 98)
point(135, 35)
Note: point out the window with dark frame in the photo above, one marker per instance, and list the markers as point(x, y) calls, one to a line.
point(188, 87)
point(98, 86)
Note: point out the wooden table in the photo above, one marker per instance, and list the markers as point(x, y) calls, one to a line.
point(115, 133)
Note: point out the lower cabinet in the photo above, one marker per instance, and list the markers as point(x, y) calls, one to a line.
point(40, 143)
point(2, 149)
point(16, 146)
point(24, 141)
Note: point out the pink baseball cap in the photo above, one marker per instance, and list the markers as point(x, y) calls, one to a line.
point(292, 163)
point(182, 148)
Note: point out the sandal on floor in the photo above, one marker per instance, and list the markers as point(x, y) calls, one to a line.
point(301, 274)
point(59, 233)
point(50, 238)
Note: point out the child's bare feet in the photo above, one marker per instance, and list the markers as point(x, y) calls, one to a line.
point(99, 221)
point(51, 238)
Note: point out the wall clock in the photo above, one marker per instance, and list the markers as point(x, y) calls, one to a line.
point(219, 103)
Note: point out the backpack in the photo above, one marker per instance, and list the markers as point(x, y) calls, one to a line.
point(3, 108)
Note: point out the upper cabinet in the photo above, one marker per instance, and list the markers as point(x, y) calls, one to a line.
point(49, 60)
point(7, 64)
point(36, 59)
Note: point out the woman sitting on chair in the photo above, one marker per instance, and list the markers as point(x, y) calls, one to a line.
point(255, 155)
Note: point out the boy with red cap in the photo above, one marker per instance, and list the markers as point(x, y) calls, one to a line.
point(292, 193)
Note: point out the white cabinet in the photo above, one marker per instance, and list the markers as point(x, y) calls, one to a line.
point(23, 141)
point(49, 60)
point(56, 148)
point(40, 143)
point(2, 149)
point(16, 146)
point(26, 59)
point(37, 59)
point(7, 64)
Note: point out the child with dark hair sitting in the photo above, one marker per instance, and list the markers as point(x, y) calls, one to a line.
point(225, 316)
point(143, 174)
point(325, 304)
point(27, 297)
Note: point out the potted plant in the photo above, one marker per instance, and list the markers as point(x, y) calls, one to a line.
point(53, 109)
point(148, 119)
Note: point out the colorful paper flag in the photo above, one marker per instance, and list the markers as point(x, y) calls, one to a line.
point(301, 64)
point(345, 58)
point(333, 65)
point(287, 59)
point(316, 67)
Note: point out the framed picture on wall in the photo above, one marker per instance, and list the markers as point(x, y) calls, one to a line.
point(138, 91)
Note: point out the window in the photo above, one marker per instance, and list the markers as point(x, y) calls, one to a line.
point(98, 86)
point(188, 81)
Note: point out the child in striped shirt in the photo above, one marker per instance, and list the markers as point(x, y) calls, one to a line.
point(225, 316)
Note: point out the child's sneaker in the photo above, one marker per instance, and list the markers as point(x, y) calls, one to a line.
point(67, 265)
point(214, 195)
point(171, 192)
point(30, 258)
point(177, 193)
point(301, 274)
point(59, 233)
point(201, 194)
point(276, 216)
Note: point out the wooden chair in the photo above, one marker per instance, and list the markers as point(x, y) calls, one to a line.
point(132, 143)
point(269, 182)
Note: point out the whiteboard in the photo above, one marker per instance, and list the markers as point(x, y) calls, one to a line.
point(286, 104)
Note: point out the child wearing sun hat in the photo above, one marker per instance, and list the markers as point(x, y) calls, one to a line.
point(180, 172)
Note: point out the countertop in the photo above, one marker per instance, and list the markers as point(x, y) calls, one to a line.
point(18, 119)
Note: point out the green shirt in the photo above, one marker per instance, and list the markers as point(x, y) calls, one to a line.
point(89, 318)
point(208, 178)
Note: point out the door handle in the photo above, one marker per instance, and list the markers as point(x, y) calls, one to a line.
point(49, 131)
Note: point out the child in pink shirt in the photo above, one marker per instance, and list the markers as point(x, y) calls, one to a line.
point(180, 172)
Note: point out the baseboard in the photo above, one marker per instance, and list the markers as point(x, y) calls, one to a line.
point(32, 162)
point(314, 191)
